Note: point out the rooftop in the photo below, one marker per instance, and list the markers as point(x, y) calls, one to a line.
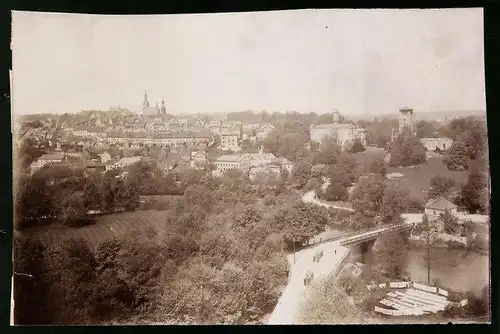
point(52, 157)
point(231, 157)
point(440, 203)
point(335, 126)
point(129, 160)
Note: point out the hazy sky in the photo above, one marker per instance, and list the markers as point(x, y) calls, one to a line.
point(359, 61)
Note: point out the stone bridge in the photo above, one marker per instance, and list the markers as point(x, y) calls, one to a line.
point(361, 242)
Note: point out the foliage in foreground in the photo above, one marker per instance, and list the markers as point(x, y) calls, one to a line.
point(328, 304)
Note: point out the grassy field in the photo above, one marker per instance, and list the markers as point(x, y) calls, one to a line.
point(415, 179)
point(105, 227)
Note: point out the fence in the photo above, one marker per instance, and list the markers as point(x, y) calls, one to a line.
point(341, 262)
point(360, 233)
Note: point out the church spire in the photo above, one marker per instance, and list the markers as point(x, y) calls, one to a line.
point(163, 107)
point(145, 104)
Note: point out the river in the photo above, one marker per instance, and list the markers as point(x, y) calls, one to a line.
point(456, 269)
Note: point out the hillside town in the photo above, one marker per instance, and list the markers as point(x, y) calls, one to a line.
point(83, 140)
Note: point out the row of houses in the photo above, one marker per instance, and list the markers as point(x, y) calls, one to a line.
point(252, 163)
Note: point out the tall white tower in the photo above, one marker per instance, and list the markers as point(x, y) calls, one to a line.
point(336, 116)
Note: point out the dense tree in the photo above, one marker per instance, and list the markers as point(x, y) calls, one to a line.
point(27, 154)
point(287, 139)
point(426, 129)
point(357, 146)
point(91, 193)
point(441, 186)
point(378, 168)
point(450, 223)
point(144, 264)
point(348, 167)
point(457, 157)
point(367, 196)
point(392, 253)
point(74, 276)
point(329, 150)
point(474, 195)
point(31, 292)
point(302, 154)
point(313, 184)
point(198, 195)
point(378, 132)
point(303, 222)
point(336, 189)
point(394, 203)
point(470, 142)
point(407, 150)
point(301, 172)
point(73, 211)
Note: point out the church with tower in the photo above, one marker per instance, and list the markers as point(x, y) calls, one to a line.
point(147, 110)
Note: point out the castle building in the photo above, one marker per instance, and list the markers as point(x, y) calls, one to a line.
point(147, 110)
point(346, 133)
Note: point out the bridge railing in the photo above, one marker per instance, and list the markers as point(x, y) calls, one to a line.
point(355, 233)
point(363, 234)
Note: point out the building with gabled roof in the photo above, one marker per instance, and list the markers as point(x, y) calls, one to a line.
point(47, 159)
point(437, 206)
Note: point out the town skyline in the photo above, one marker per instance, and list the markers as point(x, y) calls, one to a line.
point(199, 66)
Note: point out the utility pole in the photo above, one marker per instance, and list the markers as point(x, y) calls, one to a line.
point(428, 258)
point(294, 251)
point(428, 244)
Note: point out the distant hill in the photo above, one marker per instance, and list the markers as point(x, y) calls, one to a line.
point(426, 115)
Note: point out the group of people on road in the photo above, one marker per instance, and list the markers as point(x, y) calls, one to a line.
point(308, 278)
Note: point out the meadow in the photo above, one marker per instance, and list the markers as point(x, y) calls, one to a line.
point(118, 225)
point(415, 179)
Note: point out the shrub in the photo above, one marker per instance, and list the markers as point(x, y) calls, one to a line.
point(270, 199)
point(313, 184)
point(415, 205)
point(452, 244)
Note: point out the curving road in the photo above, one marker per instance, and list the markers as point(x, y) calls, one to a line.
point(286, 310)
point(308, 197)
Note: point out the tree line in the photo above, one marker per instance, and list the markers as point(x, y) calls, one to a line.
point(220, 258)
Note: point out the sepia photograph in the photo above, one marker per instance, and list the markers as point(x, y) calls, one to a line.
point(251, 168)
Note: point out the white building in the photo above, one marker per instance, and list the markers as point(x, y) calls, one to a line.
point(252, 163)
point(126, 162)
point(435, 207)
point(198, 160)
point(431, 144)
point(231, 161)
point(263, 131)
point(230, 140)
point(105, 157)
point(47, 159)
point(346, 134)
